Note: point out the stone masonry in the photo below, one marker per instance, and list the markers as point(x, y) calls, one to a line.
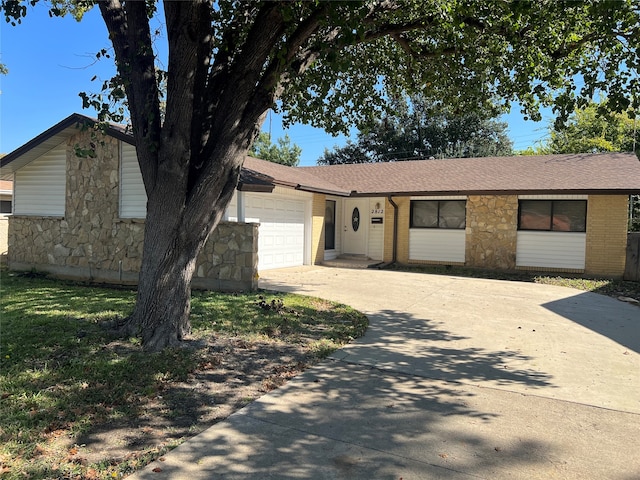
point(491, 233)
point(92, 243)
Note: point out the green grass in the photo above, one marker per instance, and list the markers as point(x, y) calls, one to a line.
point(62, 374)
point(603, 286)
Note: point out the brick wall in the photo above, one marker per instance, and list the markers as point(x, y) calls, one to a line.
point(606, 235)
point(318, 206)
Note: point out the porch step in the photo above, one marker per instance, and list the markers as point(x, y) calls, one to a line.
point(351, 261)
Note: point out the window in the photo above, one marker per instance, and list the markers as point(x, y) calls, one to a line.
point(5, 206)
point(330, 225)
point(438, 214)
point(553, 215)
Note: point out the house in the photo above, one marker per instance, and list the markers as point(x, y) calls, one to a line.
point(83, 216)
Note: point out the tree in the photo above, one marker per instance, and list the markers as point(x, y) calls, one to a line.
point(330, 64)
point(592, 129)
point(283, 152)
point(418, 128)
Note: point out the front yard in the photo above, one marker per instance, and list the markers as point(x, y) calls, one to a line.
point(78, 403)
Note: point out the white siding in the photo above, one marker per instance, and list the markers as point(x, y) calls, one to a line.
point(133, 198)
point(231, 213)
point(551, 249)
point(40, 186)
point(376, 230)
point(437, 245)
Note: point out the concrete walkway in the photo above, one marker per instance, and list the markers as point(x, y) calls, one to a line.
point(456, 378)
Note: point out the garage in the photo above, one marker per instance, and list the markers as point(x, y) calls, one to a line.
point(281, 235)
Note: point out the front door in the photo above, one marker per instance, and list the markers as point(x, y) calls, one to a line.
point(356, 218)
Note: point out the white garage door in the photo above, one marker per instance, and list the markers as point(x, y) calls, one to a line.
point(281, 231)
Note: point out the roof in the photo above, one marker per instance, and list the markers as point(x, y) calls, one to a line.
point(53, 137)
point(256, 175)
point(293, 177)
point(575, 173)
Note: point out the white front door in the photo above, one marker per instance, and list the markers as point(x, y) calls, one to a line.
point(355, 225)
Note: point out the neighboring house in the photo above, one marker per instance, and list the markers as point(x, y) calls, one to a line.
point(6, 194)
point(84, 217)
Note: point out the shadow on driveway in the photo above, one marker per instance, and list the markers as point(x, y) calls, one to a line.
point(606, 316)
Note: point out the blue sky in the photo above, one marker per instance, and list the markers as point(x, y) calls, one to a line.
point(51, 60)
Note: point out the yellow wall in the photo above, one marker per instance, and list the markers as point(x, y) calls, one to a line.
point(606, 235)
point(317, 228)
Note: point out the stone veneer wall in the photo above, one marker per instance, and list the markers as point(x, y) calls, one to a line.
point(92, 243)
point(491, 233)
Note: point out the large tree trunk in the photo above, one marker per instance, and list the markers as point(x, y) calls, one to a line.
point(177, 226)
point(190, 162)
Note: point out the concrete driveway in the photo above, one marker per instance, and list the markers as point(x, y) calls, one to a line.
point(456, 378)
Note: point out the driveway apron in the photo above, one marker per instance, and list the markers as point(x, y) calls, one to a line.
point(456, 378)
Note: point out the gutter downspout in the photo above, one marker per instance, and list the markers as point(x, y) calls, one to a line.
point(395, 229)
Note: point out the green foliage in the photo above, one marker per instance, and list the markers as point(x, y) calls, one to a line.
point(336, 62)
point(281, 152)
point(593, 129)
point(418, 128)
point(634, 213)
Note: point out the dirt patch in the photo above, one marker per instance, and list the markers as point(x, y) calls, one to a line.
point(233, 372)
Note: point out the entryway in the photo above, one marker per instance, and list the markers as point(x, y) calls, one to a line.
point(355, 224)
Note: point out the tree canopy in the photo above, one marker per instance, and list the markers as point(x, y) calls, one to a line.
point(280, 152)
point(331, 64)
point(417, 128)
point(593, 129)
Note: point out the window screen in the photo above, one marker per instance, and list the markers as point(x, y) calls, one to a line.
point(553, 215)
point(438, 214)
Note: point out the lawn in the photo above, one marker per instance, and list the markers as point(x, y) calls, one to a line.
point(79, 403)
point(605, 286)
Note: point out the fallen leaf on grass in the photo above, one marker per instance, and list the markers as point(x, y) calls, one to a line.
point(157, 470)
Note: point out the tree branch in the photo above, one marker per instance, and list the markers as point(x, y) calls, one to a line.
point(129, 32)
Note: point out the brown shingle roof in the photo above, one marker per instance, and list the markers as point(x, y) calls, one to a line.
point(299, 178)
point(577, 173)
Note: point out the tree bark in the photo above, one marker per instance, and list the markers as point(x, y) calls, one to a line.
point(176, 228)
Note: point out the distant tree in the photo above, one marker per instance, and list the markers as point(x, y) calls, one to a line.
point(593, 129)
point(420, 128)
point(282, 152)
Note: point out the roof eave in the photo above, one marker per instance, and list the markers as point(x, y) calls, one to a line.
point(63, 130)
point(593, 191)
